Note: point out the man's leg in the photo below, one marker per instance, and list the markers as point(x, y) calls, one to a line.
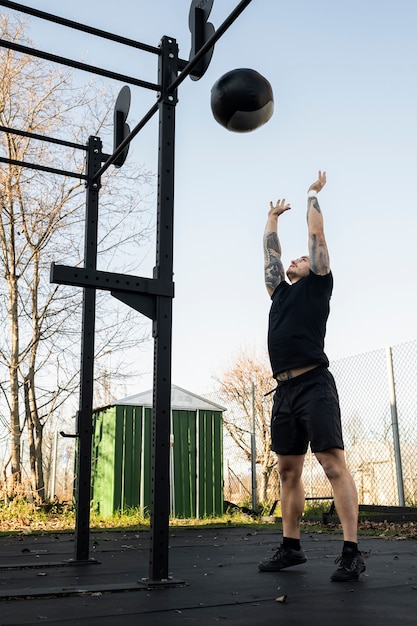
point(344, 490)
point(292, 506)
point(351, 563)
point(290, 468)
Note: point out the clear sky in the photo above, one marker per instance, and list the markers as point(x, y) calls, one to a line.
point(345, 92)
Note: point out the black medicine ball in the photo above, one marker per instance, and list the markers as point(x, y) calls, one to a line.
point(242, 100)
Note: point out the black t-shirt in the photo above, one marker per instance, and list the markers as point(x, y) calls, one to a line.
point(297, 322)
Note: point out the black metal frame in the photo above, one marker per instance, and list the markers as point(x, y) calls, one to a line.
point(150, 296)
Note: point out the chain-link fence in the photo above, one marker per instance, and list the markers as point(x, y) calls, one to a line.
point(378, 399)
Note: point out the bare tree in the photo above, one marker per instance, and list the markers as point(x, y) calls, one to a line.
point(244, 389)
point(41, 219)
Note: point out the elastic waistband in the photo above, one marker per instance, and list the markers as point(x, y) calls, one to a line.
point(302, 377)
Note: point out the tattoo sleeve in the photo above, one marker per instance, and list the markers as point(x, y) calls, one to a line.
point(319, 255)
point(274, 270)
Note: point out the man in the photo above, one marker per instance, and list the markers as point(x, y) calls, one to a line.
point(306, 405)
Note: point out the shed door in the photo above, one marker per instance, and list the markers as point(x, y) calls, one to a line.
point(184, 464)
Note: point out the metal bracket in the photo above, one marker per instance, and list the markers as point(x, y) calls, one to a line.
point(110, 281)
point(69, 435)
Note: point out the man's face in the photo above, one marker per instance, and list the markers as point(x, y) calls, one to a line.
point(298, 268)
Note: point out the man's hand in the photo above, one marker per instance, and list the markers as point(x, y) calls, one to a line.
point(277, 209)
point(319, 184)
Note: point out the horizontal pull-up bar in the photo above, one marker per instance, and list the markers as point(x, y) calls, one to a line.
point(76, 64)
point(25, 133)
point(83, 27)
point(43, 168)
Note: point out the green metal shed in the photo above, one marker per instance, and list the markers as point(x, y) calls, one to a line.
point(121, 464)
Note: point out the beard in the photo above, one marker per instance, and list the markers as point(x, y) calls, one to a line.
point(295, 274)
point(290, 274)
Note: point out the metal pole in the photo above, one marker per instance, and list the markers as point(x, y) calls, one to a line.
point(253, 451)
point(85, 413)
point(162, 326)
point(395, 430)
point(54, 463)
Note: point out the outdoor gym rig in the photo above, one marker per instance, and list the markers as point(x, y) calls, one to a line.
point(151, 297)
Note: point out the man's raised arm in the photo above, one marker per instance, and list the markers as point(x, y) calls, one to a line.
point(274, 270)
point(317, 247)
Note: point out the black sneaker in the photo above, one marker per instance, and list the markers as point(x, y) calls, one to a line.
point(283, 557)
point(350, 568)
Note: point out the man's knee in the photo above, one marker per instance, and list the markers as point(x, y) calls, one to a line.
point(333, 463)
point(290, 468)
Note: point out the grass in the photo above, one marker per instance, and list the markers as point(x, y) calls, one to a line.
point(21, 517)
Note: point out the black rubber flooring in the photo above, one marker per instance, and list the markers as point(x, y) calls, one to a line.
point(215, 580)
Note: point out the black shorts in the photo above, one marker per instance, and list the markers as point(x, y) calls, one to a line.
point(306, 410)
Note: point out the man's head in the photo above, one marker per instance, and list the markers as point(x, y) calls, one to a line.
point(298, 269)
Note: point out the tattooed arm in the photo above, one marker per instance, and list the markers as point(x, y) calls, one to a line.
point(274, 270)
point(317, 247)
